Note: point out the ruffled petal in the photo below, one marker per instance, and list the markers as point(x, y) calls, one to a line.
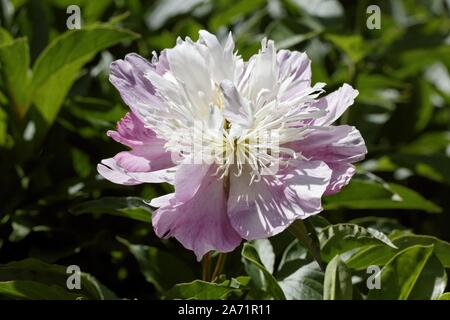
point(338, 146)
point(112, 171)
point(128, 77)
point(236, 108)
point(132, 132)
point(200, 223)
point(259, 79)
point(268, 206)
point(294, 74)
point(189, 179)
point(190, 69)
point(335, 104)
point(148, 152)
point(223, 63)
point(144, 159)
point(342, 173)
point(332, 144)
point(148, 161)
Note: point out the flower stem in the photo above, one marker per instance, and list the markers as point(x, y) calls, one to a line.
point(205, 267)
point(219, 266)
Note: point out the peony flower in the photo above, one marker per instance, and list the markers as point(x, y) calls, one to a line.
point(248, 146)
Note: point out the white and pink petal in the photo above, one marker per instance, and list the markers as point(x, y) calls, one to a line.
point(270, 205)
point(332, 144)
point(112, 171)
point(335, 104)
point(128, 76)
point(200, 223)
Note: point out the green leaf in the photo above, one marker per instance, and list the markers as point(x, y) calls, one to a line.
point(5, 37)
point(441, 248)
point(14, 64)
point(435, 167)
point(428, 143)
point(294, 40)
point(265, 253)
point(3, 128)
point(166, 9)
point(318, 221)
point(304, 231)
point(32, 290)
point(424, 107)
point(202, 290)
point(332, 9)
point(261, 277)
point(352, 45)
point(380, 255)
point(369, 195)
point(232, 13)
point(383, 224)
point(51, 274)
point(377, 255)
point(59, 64)
point(379, 90)
point(306, 283)
point(128, 207)
point(445, 296)
point(338, 281)
point(160, 268)
point(340, 238)
point(414, 273)
point(294, 256)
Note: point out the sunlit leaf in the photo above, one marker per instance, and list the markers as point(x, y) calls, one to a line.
point(262, 278)
point(306, 283)
point(338, 281)
point(340, 238)
point(413, 274)
point(380, 255)
point(368, 195)
point(58, 65)
point(14, 65)
point(202, 290)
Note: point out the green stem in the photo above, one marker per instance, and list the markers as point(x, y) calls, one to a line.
point(205, 267)
point(219, 266)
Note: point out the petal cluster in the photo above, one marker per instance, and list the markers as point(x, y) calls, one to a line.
point(249, 146)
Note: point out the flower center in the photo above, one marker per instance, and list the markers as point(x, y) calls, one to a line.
point(198, 132)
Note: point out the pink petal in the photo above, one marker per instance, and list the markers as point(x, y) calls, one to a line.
point(132, 132)
point(188, 180)
point(148, 152)
point(338, 146)
point(332, 144)
point(267, 207)
point(145, 159)
point(294, 73)
point(335, 104)
point(200, 223)
point(112, 171)
point(342, 173)
point(128, 77)
point(162, 201)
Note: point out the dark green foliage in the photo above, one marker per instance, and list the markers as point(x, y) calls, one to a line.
point(56, 104)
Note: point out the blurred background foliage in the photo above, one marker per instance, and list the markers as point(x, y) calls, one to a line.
point(56, 104)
